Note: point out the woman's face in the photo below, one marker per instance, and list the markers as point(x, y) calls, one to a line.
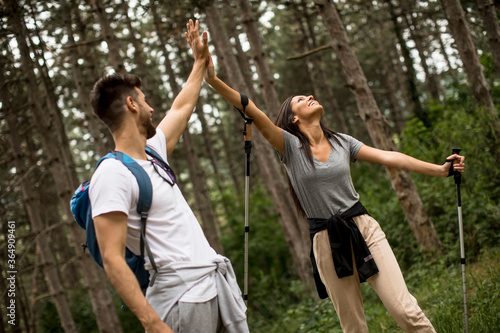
point(305, 107)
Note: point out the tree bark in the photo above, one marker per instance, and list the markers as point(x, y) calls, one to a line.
point(207, 138)
point(295, 230)
point(416, 35)
point(492, 27)
point(109, 37)
point(201, 194)
point(319, 78)
point(209, 146)
point(94, 125)
point(197, 176)
point(100, 296)
point(148, 82)
point(28, 190)
point(86, 48)
point(390, 79)
point(378, 129)
point(466, 49)
point(242, 58)
point(411, 77)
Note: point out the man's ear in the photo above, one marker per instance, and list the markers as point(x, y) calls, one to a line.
point(131, 104)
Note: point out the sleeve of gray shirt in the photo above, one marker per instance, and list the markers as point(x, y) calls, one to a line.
point(291, 142)
point(352, 144)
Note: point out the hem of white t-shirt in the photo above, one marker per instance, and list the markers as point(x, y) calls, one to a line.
point(199, 299)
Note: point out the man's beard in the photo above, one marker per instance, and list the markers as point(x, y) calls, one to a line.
point(148, 125)
point(150, 129)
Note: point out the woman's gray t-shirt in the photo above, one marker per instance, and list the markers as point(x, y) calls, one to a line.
point(325, 189)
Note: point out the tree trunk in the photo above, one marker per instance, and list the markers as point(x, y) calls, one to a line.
point(149, 84)
point(89, 70)
point(442, 48)
point(416, 35)
point(198, 178)
point(100, 296)
point(490, 23)
point(378, 129)
point(397, 116)
point(53, 116)
point(208, 144)
point(4, 286)
point(242, 58)
point(295, 230)
point(109, 37)
point(411, 77)
point(234, 169)
point(94, 125)
point(201, 194)
point(34, 291)
point(319, 78)
point(259, 57)
point(207, 138)
point(87, 47)
point(466, 49)
point(50, 269)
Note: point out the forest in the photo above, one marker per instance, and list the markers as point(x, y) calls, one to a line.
point(417, 76)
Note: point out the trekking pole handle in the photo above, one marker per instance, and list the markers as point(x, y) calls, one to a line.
point(247, 134)
point(456, 175)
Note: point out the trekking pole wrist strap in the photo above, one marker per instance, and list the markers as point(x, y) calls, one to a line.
point(451, 170)
point(244, 103)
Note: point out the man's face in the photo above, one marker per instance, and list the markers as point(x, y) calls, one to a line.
point(146, 114)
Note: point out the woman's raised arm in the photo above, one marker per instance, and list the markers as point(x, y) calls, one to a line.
point(272, 133)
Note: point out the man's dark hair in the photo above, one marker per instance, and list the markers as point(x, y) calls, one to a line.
point(109, 95)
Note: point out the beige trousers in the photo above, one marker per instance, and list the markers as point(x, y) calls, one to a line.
point(388, 283)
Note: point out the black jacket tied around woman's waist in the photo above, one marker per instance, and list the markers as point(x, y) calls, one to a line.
point(345, 238)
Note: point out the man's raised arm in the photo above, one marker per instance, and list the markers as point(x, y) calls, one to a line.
point(174, 123)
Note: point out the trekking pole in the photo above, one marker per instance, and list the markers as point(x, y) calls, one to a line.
point(458, 180)
point(247, 135)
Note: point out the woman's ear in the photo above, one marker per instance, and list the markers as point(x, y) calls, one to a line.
point(295, 119)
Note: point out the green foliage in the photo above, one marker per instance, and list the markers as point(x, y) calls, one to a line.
point(48, 318)
point(470, 131)
point(278, 302)
point(436, 285)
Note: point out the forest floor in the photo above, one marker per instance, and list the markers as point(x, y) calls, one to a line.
point(438, 288)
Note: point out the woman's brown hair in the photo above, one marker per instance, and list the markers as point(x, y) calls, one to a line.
point(285, 121)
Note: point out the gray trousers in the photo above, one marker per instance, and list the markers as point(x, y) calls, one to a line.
point(196, 317)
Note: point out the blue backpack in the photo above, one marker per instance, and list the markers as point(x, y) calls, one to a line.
point(80, 207)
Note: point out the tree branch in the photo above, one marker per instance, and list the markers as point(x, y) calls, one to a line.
point(310, 52)
point(98, 40)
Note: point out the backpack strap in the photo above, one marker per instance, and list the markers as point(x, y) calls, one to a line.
point(145, 187)
point(153, 153)
point(143, 203)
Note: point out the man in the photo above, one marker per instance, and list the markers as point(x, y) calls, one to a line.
point(195, 289)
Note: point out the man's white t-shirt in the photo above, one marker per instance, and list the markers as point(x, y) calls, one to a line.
point(172, 230)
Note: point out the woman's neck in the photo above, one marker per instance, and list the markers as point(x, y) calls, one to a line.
point(314, 133)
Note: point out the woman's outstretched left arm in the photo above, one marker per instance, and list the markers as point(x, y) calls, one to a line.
point(394, 159)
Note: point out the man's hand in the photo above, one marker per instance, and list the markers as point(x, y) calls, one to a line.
point(200, 49)
point(159, 327)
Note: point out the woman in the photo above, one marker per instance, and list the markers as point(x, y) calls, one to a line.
point(317, 164)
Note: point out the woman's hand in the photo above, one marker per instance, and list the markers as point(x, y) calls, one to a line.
point(458, 164)
point(209, 73)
